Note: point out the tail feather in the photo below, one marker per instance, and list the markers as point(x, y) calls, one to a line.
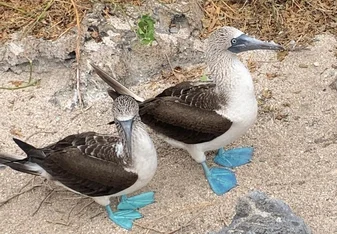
point(27, 165)
point(24, 146)
point(22, 165)
point(113, 83)
point(4, 159)
point(33, 153)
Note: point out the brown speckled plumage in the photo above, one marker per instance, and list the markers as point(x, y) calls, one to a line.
point(88, 163)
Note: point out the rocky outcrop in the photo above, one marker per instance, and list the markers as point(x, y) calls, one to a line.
point(256, 213)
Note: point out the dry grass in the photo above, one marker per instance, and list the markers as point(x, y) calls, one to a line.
point(42, 18)
point(282, 21)
point(48, 19)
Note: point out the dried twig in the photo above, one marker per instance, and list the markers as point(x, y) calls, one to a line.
point(30, 82)
point(82, 111)
point(18, 194)
point(39, 132)
point(4, 4)
point(172, 69)
point(176, 230)
point(58, 222)
point(32, 179)
point(42, 14)
point(43, 201)
point(71, 210)
point(223, 2)
point(85, 206)
point(182, 210)
point(78, 57)
point(68, 221)
point(148, 228)
point(272, 20)
point(98, 214)
point(185, 225)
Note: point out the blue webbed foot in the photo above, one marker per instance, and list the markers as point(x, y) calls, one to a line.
point(123, 218)
point(234, 157)
point(221, 180)
point(136, 202)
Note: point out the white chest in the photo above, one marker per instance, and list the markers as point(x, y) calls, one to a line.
point(144, 160)
point(145, 155)
point(240, 106)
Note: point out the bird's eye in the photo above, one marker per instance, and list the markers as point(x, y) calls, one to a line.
point(233, 41)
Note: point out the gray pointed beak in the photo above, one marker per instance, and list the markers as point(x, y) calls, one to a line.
point(246, 43)
point(127, 128)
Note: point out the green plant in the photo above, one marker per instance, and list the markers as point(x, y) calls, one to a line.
point(204, 78)
point(145, 30)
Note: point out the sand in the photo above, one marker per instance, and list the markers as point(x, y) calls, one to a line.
point(295, 141)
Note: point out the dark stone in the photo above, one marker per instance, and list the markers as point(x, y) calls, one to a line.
point(333, 85)
point(256, 213)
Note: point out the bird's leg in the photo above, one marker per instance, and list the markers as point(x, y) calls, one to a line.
point(123, 218)
point(234, 157)
point(136, 202)
point(220, 179)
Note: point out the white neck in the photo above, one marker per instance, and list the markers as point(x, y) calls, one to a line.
point(144, 155)
point(231, 76)
point(143, 150)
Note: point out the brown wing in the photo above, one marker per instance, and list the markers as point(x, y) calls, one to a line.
point(89, 164)
point(199, 95)
point(169, 114)
point(186, 113)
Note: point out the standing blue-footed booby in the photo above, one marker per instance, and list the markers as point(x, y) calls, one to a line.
point(99, 166)
point(199, 117)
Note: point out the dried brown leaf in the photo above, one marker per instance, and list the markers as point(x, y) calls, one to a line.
point(281, 55)
point(271, 76)
point(16, 132)
point(16, 83)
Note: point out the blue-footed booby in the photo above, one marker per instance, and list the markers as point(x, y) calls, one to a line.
point(200, 117)
point(99, 166)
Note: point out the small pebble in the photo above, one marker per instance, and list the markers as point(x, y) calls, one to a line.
point(303, 65)
point(292, 45)
point(174, 30)
point(316, 64)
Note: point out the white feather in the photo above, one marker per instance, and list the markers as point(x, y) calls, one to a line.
point(241, 108)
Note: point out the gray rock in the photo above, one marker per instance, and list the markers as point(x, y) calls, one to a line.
point(118, 49)
point(333, 85)
point(120, 52)
point(256, 213)
point(110, 41)
point(45, 54)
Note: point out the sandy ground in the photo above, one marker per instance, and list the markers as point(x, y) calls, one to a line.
point(295, 140)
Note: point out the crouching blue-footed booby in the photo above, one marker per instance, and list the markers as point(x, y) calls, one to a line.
point(99, 166)
point(199, 117)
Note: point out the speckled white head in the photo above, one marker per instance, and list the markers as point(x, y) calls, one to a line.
point(222, 37)
point(230, 39)
point(125, 108)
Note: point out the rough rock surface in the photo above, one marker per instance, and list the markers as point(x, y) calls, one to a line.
point(256, 213)
point(109, 40)
point(117, 47)
point(120, 52)
point(45, 54)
